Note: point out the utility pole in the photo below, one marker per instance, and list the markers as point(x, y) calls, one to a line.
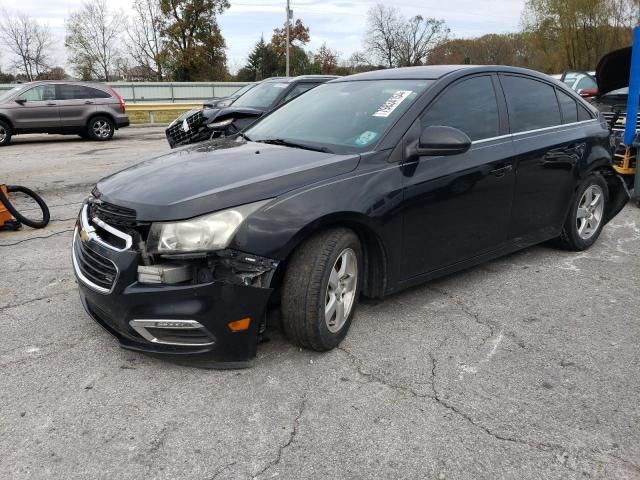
point(288, 19)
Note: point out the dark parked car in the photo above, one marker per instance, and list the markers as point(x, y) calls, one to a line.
point(91, 110)
point(226, 101)
point(200, 125)
point(363, 186)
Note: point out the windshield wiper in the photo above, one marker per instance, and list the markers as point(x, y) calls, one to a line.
point(246, 137)
point(288, 143)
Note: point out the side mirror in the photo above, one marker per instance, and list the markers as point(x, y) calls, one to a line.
point(437, 140)
point(21, 101)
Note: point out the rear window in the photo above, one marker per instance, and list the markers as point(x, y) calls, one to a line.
point(532, 104)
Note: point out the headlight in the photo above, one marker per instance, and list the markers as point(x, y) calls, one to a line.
point(209, 232)
point(223, 123)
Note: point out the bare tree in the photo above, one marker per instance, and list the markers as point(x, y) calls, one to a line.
point(93, 40)
point(28, 41)
point(417, 38)
point(398, 42)
point(384, 25)
point(146, 45)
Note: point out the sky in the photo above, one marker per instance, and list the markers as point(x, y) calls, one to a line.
point(339, 23)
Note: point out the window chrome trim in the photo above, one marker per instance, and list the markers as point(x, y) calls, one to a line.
point(91, 232)
point(537, 130)
point(85, 280)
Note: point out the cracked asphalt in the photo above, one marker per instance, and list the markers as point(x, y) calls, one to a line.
point(523, 368)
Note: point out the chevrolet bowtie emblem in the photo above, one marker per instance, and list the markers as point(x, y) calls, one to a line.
point(84, 236)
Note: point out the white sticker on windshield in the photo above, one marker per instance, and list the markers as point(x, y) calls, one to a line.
point(390, 105)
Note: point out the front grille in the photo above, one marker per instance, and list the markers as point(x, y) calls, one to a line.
point(113, 214)
point(620, 122)
point(176, 133)
point(96, 270)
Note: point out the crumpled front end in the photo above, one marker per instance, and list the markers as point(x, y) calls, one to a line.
point(205, 310)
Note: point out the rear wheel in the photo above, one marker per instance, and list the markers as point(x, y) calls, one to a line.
point(586, 217)
point(5, 133)
point(100, 128)
point(321, 289)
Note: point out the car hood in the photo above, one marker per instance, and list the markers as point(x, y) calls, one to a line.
point(211, 176)
point(613, 70)
point(239, 111)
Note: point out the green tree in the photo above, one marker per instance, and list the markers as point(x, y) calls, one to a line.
point(194, 42)
point(262, 62)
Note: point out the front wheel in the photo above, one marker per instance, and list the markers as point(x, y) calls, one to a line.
point(100, 129)
point(321, 289)
point(586, 217)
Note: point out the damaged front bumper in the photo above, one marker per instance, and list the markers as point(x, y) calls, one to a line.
point(213, 319)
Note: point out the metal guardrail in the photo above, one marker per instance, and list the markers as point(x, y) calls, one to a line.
point(172, 92)
point(157, 113)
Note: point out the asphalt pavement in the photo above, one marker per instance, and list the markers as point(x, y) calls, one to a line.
point(527, 367)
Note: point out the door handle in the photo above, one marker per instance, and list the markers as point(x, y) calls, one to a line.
point(51, 104)
point(501, 171)
point(88, 102)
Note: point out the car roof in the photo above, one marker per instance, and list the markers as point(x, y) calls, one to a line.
point(435, 72)
point(66, 82)
point(301, 78)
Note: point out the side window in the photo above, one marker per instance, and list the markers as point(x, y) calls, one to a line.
point(584, 114)
point(470, 106)
point(79, 92)
point(585, 82)
point(568, 107)
point(41, 93)
point(532, 104)
point(298, 90)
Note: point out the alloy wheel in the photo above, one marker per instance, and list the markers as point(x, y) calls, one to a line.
point(341, 290)
point(590, 212)
point(102, 129)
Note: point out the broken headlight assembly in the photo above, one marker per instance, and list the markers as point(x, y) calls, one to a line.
point(220, 124)
point(201, 234)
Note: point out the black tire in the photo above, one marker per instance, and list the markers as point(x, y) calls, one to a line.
point(46, 215)
point(570, 238)
point(5, 133)
point(101, 129)
point(305, 289)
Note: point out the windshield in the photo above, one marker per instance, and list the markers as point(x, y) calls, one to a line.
point(243, 90)
point(4, 96)
point(261, 96)
point(342, 117)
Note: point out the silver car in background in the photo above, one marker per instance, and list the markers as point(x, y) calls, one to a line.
point(91, 110)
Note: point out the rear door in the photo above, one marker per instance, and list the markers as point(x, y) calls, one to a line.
point(549, 143)
point(37, 110)
point(457, 207)
point(77, 103)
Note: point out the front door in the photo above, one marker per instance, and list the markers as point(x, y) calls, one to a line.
point(458, 207)
point(37, 110)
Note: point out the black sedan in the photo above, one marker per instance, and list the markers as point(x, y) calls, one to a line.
point(362, 187)
point(204, 124)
